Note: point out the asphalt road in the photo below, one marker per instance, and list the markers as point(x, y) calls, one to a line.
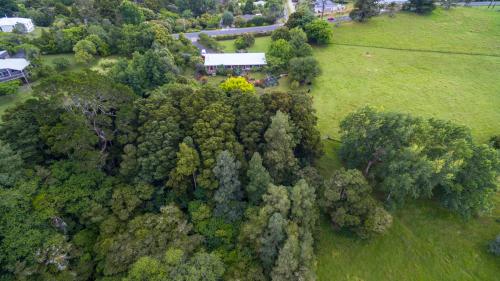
point(231, 31)
point(486, 3)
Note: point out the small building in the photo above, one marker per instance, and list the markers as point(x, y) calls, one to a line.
point(330, 7)
point(243, 61)
point(259, 3)
point(12, 68)
point(8, 24)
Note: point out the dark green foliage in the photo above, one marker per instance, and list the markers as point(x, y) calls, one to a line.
point(249, 7)
point(213, 133)
point(319, 32)
point(7, 7)
point(281, 33)
point(250, 121)
point(61, 64)
point(300, 18)
point(346, 198)
point(228, 196)
point(495, 142)
point(298, 41)
point(11, 166)
point(258, 179)
point(146, 71)
point(304, 69)
point(129, 13)
point(411, 157)
point(364, 10)
point(21, 130)
point(494, 246)
point(421, 6)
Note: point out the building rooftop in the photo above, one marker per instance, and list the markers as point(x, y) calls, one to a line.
point(13, 21)
point(15, 64)
point(235, 59)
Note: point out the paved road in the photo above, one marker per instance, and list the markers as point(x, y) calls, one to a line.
point(231, 31)
point(485, 3)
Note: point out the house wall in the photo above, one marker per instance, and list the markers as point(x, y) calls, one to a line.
point(9, 28)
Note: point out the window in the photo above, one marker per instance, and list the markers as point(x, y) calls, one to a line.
point(4, 73)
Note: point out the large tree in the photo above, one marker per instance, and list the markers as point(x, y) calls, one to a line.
point(278, 156)
point(364, 10)
point(228, 197)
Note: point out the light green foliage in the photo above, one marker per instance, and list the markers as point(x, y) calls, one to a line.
point(184, 174)
point(300, 18)
point(176, 266)
point(258, 179)
point(148, 234)
point(209, 42)
point(244, 41)
point(281, 33)
point(102, 47)
point(319, 32)
point(9, 88)
point(237, 85)
point(84, 51)
point(278, 156)
point(280, 49)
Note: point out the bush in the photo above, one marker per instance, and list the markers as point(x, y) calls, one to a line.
point(244, 41)
point(495, 141)
point(9, 88)
point(495, 246)
point(61, 64)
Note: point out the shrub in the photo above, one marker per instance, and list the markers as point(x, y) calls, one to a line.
point(61, 64)
point(495, 246)
point(9, 88)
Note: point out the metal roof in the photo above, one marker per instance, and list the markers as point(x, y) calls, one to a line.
point(13, 21)
point(15, 64)
point(235, 59)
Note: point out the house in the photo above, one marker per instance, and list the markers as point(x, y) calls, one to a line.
point(330, 7)
point(12, 68)
point(8, 24)
point(259, 3)
point(243, 61)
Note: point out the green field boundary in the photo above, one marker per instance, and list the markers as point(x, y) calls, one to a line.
point(418, 50)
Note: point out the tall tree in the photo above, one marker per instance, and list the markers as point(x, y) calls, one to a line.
point(258, 179)
point(11, 166)
point(228, 197)
point(184, 174)
point(364, 10)
point(214, 132)
point(279, 157)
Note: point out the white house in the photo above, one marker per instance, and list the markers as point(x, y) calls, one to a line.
point(243, 61)
point(8, 24)
point(11, 69)
point(259, 3)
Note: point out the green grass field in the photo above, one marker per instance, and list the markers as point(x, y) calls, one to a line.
point(461, 88)
point(426, 242)
point(261, 45)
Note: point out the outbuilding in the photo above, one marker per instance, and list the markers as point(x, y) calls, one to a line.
point(13, 68)
point(9, 24)
point(243, 61)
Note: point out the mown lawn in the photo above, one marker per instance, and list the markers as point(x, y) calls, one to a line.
point(261, 45)
point(426, 242)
